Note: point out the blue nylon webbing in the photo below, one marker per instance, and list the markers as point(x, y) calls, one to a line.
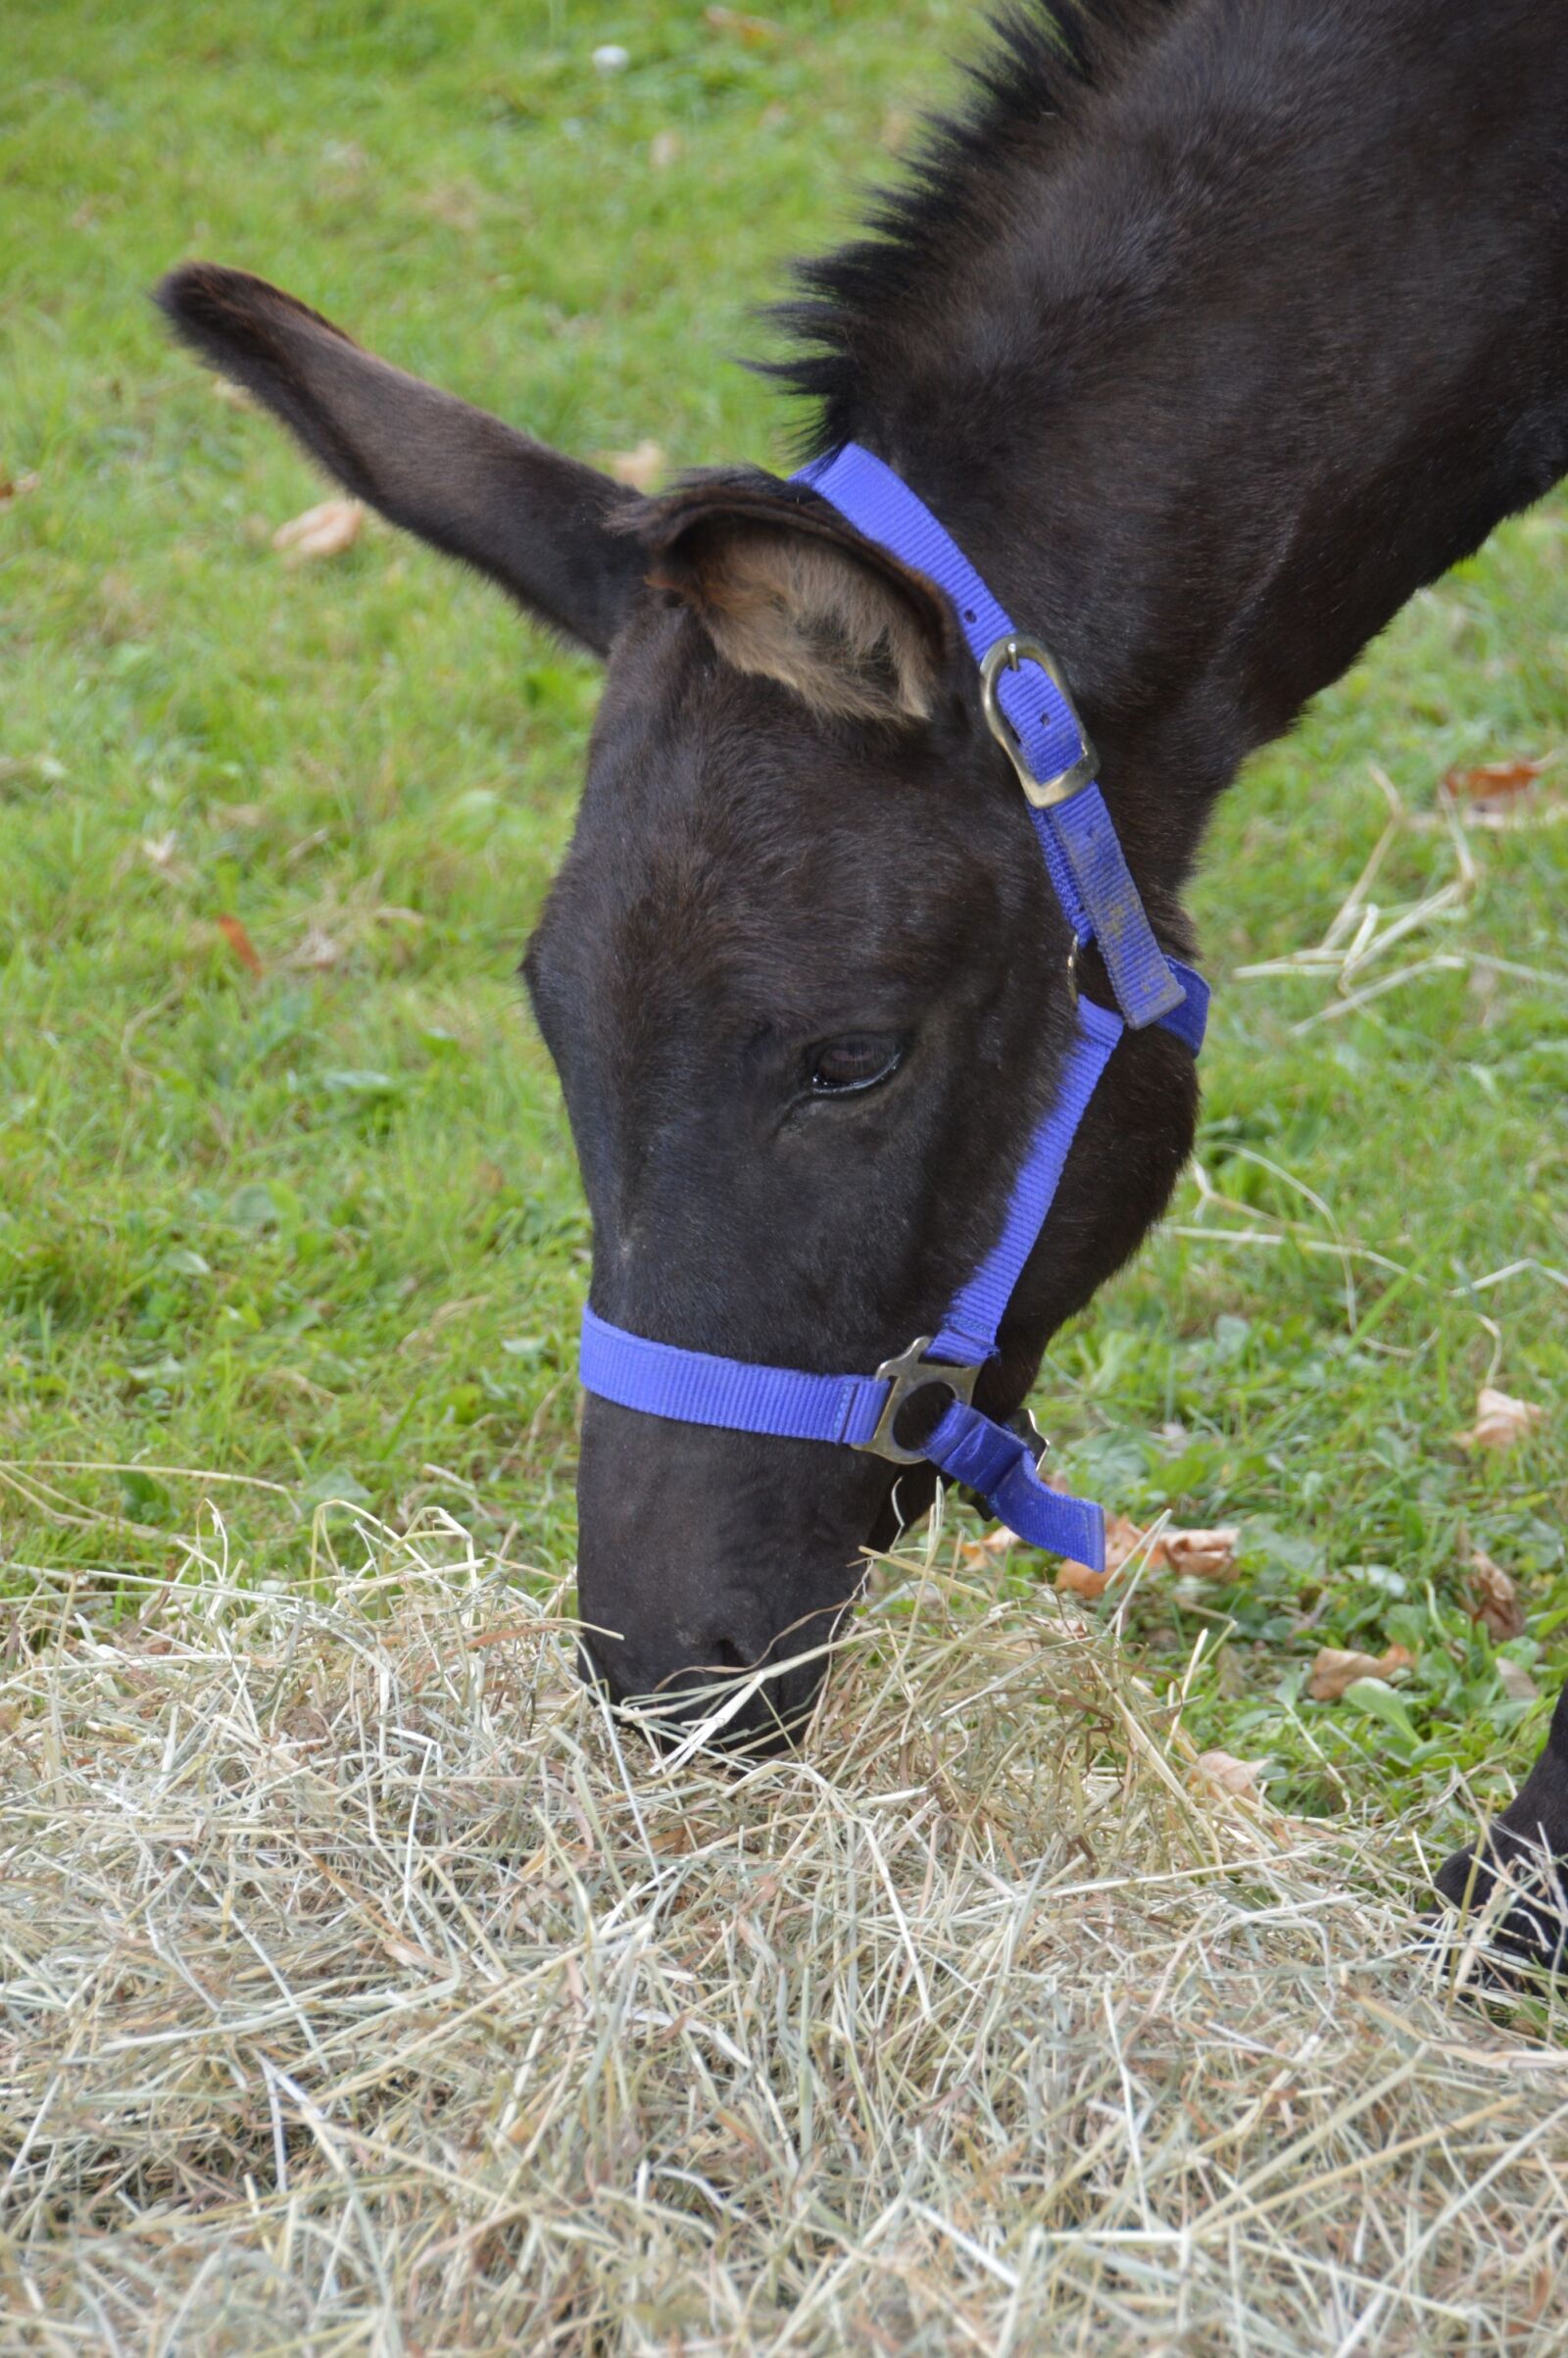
point(881, 505)
point(1190, 1020)
point(697, 1388)
point(1000, 1465)
point(1093, 881)
point(969, 1329)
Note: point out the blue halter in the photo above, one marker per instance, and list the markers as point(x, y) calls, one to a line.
point(1031, 714)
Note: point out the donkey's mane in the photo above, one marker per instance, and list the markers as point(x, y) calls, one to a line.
point(1028, 92)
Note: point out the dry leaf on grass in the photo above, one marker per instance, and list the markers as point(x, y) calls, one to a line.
point(1493, 1600)
point(1211, 1554)
point(983, 1551)
point(663, 150)
point(1491, 784)
point(752, 31)
point(1226, 1774)
point(1338, 1667)
point(641, 467)
point(1208, 1553)
point(1081, 1580)
point(17, 487)
point(239, 941)
point(325, 531)
point(1516, 1681)
point(238, 397)
point(1500, 1420)
point(1122, 1542)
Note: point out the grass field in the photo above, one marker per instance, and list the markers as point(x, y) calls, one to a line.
point(273, 1237)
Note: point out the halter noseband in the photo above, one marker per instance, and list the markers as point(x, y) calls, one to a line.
point(1031, 714)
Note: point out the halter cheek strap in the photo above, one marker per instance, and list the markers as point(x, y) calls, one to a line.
point(1031, 714)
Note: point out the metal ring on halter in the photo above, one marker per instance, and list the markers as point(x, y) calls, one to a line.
point(1005, 656)
point(911, 1372)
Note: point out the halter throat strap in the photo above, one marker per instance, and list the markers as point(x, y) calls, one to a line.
point(1031, 714)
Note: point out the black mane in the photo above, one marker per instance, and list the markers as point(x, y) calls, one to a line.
point(1029, 89)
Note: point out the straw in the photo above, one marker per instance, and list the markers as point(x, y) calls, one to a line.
point(368, 1988)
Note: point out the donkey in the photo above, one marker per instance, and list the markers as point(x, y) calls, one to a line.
point(1210, 330)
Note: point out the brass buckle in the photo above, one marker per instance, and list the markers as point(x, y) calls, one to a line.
point(1005, 656)
point(911, 1372)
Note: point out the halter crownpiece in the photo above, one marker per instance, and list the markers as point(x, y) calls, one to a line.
point(1031, 714)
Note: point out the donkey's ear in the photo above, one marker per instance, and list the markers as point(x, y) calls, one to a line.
point(785, 588)
point(539, 523)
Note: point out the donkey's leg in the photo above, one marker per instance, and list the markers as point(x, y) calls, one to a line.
point(1530, 1840)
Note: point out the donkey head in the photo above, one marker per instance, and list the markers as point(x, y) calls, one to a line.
point(801, 974)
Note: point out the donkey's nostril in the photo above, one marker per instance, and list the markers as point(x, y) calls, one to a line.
point(705, 1669)
point(632, 1674)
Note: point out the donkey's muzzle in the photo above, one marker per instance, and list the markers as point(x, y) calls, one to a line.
point(715, 1568)
point(729, 1705)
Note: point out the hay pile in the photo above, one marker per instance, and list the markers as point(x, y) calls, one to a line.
point(367, 1990)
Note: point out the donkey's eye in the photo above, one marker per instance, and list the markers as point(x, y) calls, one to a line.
point(839, 1067)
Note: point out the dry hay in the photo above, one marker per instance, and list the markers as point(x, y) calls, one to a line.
point(367, 1989)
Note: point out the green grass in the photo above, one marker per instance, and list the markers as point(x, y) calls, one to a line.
point(322, 1227)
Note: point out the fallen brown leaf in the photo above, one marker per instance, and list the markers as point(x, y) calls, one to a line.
point(17, 487)
point(752, 31)
point(1338, 1667)
point(1493, 781)
point(1226, 1774)
point(1079, 1581)
point(1123, 1539)
point(641, 467)
point(239, 941)
point(324, 530)
point(1493, 1600)
point(1211, 1554)
point(1500, 1420)
point(983, 1552)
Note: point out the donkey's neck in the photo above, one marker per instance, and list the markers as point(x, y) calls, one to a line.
point(1213, 353)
